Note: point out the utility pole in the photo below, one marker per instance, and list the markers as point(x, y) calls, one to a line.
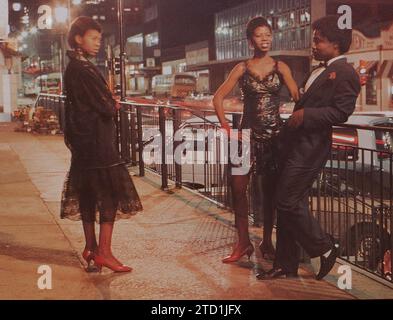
point(120, 16)
point(122, 116)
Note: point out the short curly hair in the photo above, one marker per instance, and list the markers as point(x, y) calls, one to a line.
point(79, 27)
point(328, 27)
point(255, 23)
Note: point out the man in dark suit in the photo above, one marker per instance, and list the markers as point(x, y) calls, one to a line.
point(329, 98)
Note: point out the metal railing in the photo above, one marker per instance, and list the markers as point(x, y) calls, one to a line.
point(55, 103)
point(204, 171)
point(352, 198)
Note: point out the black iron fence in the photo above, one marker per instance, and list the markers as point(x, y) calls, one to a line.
point(203, 168)
point(352, 198)
point(55, 103)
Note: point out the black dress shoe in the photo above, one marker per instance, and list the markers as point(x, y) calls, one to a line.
point(276, 273)
point(327, 264)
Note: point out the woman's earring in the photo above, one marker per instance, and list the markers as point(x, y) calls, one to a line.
point(79, 51)
point(251, 46)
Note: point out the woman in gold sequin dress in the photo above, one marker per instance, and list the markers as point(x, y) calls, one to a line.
point(260, 80)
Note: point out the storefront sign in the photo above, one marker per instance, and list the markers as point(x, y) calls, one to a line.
point(197, 56)
point(362, 43)
point(150, 62)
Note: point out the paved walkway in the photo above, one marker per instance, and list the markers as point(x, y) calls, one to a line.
point(174, 246)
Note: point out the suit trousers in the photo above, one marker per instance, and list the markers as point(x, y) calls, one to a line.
point(295, 223)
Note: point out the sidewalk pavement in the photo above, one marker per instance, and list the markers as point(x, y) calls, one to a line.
point(175, 245)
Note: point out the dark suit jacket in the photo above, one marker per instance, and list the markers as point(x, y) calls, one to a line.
point(329, 101)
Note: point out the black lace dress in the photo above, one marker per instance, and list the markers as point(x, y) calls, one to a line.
point(261, 114)
point(98, 186)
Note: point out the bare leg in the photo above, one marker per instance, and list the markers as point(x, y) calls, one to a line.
point(239, 191)
point(91, 247)
point(90, 236)
point(239, 186)
point(105, 245)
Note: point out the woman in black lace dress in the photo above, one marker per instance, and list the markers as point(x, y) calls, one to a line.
point(98, 186)
point(260, 80)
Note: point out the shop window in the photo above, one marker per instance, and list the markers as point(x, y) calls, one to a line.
point(151, 39)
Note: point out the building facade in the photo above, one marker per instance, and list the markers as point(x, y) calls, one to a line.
point(373, 59)
point(10, 80)
point(291, 23)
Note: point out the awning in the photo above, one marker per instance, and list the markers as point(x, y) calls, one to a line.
point(386, 69)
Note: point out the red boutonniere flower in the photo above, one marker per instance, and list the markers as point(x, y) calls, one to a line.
point(332, 75)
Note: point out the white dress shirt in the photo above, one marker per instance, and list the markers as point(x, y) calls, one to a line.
point(318, 71)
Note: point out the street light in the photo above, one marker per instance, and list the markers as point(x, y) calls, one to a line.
point(120, 17)
point(63, 16)
point(16, 6)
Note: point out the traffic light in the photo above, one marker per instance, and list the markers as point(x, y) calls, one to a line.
point(116, 66)
point(363, 72)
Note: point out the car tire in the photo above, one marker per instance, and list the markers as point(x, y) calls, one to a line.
point(362, 245)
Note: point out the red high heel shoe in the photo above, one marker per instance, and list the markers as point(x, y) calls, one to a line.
point(236, 257)
point(89, 257)
point(101, 261)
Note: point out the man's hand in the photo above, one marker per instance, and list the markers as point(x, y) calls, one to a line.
point(296, 119)
point(117, 103)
